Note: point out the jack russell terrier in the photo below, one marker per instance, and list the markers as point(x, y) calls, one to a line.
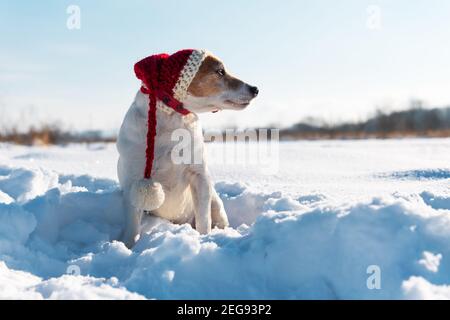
point(174, 89)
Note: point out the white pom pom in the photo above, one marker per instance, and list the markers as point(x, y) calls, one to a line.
point(146, 194)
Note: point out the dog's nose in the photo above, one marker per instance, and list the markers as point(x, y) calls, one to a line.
point(254, 91)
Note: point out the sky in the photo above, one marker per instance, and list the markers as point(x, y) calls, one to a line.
point(334, 60)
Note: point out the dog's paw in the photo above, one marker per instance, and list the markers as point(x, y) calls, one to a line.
point(130, 240)
point(147, 195)
point(221, 224)
point(220, 220)
point(203, 227)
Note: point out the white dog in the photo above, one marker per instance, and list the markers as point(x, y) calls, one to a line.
point(180, 193)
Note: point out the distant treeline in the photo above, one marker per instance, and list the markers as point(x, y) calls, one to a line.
point(52, 134)
point(415, 122)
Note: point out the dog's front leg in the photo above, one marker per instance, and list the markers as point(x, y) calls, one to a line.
point(218, 214)
point(132, 225)
point(201, 195)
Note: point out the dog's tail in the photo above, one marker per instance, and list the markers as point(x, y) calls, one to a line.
point(147, 195)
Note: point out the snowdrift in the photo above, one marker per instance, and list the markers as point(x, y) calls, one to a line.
point(58, 241)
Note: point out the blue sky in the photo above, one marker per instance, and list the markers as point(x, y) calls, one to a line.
point(309, 58)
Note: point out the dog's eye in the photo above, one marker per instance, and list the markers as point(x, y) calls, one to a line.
point(221, 72)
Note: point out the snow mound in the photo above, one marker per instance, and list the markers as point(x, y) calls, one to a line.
point(417, 288)
point(23, 285)
point(58, 241)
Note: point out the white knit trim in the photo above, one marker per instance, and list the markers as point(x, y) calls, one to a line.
point(190, 118)
point(188, 73)
point(163, 107)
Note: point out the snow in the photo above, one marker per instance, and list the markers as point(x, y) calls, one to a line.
point(23, 285)
point(431, 261)
point(313, 228)
point(417, 288)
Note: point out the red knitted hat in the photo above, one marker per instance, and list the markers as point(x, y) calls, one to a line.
point(166, 78)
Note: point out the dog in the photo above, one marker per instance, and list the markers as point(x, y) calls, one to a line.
point(184, 191)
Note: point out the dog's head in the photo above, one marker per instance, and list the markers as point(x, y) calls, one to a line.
point(214, 88)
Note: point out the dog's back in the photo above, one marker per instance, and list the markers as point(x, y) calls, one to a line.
point(174, 178)
point(131, 144)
